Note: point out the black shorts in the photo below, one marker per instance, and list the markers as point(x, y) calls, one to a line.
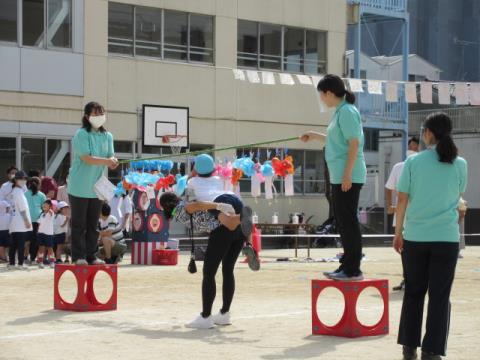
point(45, 240)
point(4, 238)
point(59, 239)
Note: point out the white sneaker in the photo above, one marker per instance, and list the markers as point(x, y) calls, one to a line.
point(81, 262)
point(52, 264)
point(10, 267)
point(222, 319)
point(98, 262)
point(201, 323)
point(24, 267)
point(41, 265)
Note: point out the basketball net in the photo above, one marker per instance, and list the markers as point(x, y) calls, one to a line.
point(173, 142)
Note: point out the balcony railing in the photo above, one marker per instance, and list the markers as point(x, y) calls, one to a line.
point(385, 5)
point(375, 108)
point(464, 119)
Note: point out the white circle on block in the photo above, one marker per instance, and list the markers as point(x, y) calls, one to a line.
point(102, 286)
point(330, 306)
point(369, 306)
point(67, 287)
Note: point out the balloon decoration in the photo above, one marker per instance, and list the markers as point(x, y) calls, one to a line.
point(149, 175)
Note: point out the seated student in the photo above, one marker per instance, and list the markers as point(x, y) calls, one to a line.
point(111, 236)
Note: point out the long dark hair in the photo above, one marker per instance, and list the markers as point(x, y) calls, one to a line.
point(33, 184)
point(91, 107)
point(441, 127)
point(169, 202)
point(335, 84)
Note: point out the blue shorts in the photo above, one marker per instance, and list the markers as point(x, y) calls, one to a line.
point(231, 199)
point(4, 238)
point(45, 240)
point(59, 239)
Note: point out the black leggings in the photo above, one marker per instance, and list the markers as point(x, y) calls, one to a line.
point(345, 206)
point(224, 247)
point(17, 246)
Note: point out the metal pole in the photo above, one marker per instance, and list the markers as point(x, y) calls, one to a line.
point(358, 42)
point(405, 52)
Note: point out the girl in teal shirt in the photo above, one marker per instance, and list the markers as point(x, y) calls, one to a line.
point(427, 236)
point(346, 165)
point(93, 153)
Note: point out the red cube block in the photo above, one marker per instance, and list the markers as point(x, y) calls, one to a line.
point(349, 325)
point(85, 300)
point(165, 257)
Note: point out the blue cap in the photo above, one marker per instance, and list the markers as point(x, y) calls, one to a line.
point(204, 164)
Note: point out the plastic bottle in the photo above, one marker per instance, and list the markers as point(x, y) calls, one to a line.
point(275, 218)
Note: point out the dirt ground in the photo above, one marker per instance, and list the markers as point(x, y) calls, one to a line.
point(271, 314)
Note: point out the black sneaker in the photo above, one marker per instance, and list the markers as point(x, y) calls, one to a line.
point(409, 353)
point(58, 261)
point(246, 221)
point(399, 287)
point(430, 356)
point(252, 258)
point(328, 274)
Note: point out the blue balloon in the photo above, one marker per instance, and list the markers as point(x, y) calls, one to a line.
point(267, 169)
point(181, 184)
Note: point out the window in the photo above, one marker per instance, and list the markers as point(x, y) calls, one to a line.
point(270, 46)
point(8, 147)
point(8, 20)
point(33, 154)
point(201, 38)
point(281, 48)
point(371, 139)
point(148, 33)
point(123, 147)
point(293, 53)
point(247, 43)
point(158, 33)
point(120, 28)
point(52, 30)
point(176, 30)
point(315, 52)
point(309, 176)
point(363, 74)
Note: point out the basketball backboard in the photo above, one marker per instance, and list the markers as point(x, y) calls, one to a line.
point(164, 126)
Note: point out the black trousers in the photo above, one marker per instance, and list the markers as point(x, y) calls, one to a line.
point(85, 216)
point(224, 247)
point(32, 238)
point(345, 205)
point(427, 266)
point(17, 245)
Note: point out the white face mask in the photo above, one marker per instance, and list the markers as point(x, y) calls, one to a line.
point(11, 176)
point(97, 121)
point(22, 183)
point(410, 153)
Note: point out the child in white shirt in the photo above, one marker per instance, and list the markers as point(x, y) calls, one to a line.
point(4, 225)
point(45, 234)
point(60, 229)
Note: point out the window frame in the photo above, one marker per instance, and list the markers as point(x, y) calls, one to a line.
point(19, 27)
point(282, 49)
point(45, 46)
point(162, 36)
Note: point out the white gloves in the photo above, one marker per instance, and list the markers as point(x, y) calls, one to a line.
point(226, 208)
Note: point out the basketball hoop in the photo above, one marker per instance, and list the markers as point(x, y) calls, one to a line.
point(172, 141)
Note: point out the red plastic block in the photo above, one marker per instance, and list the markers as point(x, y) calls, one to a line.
point(164, 257)
point(349, 325)
point(85, 300)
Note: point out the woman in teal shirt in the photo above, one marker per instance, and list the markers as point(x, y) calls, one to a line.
point(346, 166)
point(427, 236)
point(93, 152)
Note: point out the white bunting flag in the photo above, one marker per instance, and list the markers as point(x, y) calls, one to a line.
point(355, 85)
point(475, 94)
point(238, 74)
point(253, 77)
point(392, 91)
point(374, 87)
point(304, 79)
point(268, 78)
point(426, 92)
point(316, 79)
point(461, 94)
point(444, 93)
point(411, 92)
point(286, 79)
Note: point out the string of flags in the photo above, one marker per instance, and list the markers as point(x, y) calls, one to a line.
point(459, 93)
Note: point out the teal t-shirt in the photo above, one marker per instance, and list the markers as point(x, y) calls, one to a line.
point(346, 124)
point(82, 176)
point(35, 203)
point(433, 190)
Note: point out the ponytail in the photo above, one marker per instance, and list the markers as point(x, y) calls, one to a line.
point(33, 185)
point(349, 97)
point(335, 85)
point(441, 127)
